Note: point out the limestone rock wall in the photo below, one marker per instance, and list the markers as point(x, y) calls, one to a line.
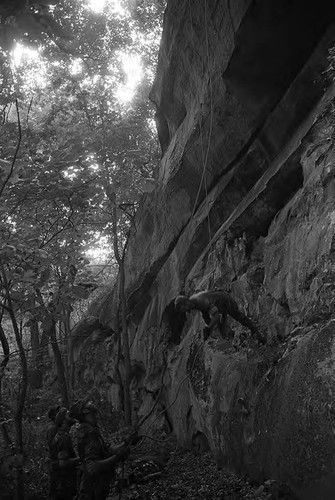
point(245, 202)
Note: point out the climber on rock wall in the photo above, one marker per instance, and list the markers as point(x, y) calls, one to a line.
point(64, 461)
point(214, 306)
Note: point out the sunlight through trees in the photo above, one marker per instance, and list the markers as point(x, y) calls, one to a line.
point(76, 120)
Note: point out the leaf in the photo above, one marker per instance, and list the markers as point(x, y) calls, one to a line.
point(47, 324)
point(80, 292)
point(29, 275)
point(7, 251)
point(43, 254)
point(44, 276)
point(5, 166)
point(13, 179)
point(17, 296)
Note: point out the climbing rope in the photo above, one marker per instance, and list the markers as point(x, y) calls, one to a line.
point(204, 156)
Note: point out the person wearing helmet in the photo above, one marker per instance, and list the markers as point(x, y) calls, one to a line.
point(64, 459)
point(215, 305)
point(52, 427)
point(50, 434)
point(98, 459)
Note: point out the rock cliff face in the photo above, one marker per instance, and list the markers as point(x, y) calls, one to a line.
point(245, 202)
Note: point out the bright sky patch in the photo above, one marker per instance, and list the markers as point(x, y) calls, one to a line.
point(132, 67)
point(113, 6)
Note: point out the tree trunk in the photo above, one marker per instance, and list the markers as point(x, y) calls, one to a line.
point(59, 362)
point(125, 339)
point(36, 378)
point(49, 331)
point(69, 350)
point(23, 360)
point(22, 392)
point(117, 373)
point(126, 350)
point(4, 362)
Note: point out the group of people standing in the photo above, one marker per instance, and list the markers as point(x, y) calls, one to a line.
point(88, 474)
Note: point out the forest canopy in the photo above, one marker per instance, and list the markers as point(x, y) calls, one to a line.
point(76, 118)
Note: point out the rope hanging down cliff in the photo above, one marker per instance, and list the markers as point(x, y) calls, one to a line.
point(204, 157)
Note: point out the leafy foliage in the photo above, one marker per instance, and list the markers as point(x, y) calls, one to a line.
point(69, 132)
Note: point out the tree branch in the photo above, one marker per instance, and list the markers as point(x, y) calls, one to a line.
point(59, 231)
point(16, 151)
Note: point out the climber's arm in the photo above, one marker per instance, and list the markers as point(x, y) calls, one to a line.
point(234, 312)
point(215, 317)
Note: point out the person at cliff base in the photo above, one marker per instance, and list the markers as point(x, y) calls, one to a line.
point(64, 459)
point(52, 427)
point(50, 434)
point(215, 305)
point(98, 459)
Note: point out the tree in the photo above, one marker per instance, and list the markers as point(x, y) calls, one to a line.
point(119, 252)
point(3, 365)
point(65, 136)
